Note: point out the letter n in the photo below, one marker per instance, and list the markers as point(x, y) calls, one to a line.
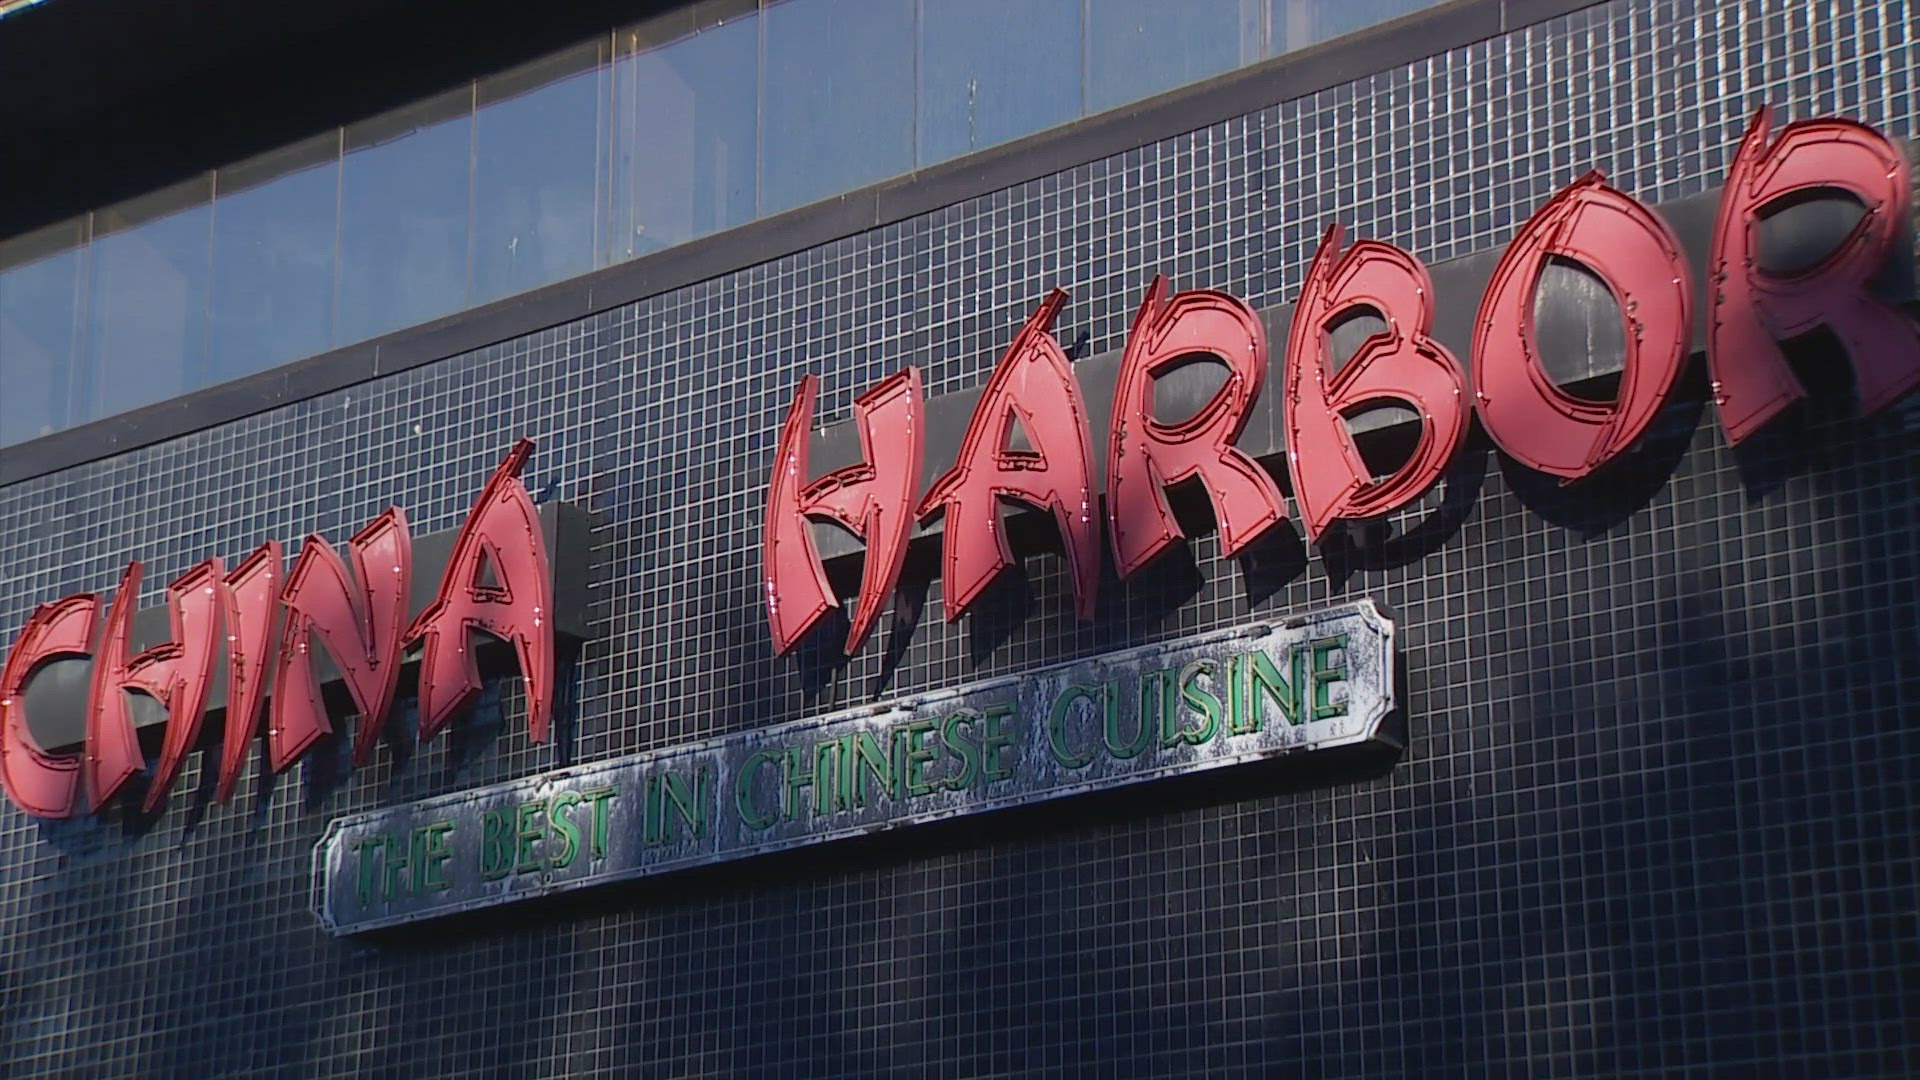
point(251, 597)
point(361, 622)
point(502, 533)
point(872, 499)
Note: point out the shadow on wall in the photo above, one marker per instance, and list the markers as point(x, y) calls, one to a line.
point(1623, 804)
point(1659, 798)
point(1619, 819)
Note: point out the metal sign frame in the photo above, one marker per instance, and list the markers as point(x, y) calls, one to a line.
point(1226, 698)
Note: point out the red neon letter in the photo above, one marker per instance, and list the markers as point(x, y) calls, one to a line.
point(1753, 309)
point(1144, 455)
point(502, 531)
point(1033, 384)
point(1330, 481)
point(361, 628)
point(180, 672)
point(175, 673)
point(249, 594)
point(1637, 256)
point(873, 500)
point(113, 753)
point(36, 781)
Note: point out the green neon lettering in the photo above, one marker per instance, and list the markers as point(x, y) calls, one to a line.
point(496, 849)
point(528, 831)
point(957, 745)
point(1238, 723)
point(434, 854)
point(993, 739)
point(1063, 754)
point(393, 868)
point(1170, 732)
point(1201, 700)
point(849, 773)
point(703, 798)
point(651, 831)
point(1267, 683)
point(1325, 674)
point(1142, 735)
point(680, 799)
point(798, 776)
point(562, 825)
point(916, 757)
point(600, 797)
point(743, 789)
point(368, 848)
point(827, 796)
point(871, 759)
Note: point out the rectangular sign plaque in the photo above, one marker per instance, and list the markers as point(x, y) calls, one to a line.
point(1225, 698)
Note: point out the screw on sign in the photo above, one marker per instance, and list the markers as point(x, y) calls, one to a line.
point(498, 581)
point(1750, 310)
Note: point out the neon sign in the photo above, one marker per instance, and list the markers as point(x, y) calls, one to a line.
point(497, 580)
point(1750, 310)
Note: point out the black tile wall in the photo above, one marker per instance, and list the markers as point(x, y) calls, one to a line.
point(1657, 816)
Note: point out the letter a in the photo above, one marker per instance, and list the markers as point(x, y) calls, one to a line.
point(1033, 385)
point(503, 531)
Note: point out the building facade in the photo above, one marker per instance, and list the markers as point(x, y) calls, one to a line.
point(1654, 813)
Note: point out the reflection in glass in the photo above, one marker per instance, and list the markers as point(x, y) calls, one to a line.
point(994, 70)
point(39, 330)
point(1137, 48)
point(573, 162)
point(839, 99)
point(1300, 23)
point(685, 124)
point(403, 224)
point(147, 315)
point(537, 157)
point(273, 267)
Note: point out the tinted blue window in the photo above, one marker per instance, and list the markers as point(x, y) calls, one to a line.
point(574, 162)
point(403, 225)
point(147, 310)
point(686, 121)
point(1137, 48)
point(1299, 23)
point(839, 98)
point(273, 268)
point(537, 160)
point(39, 331)
point(994, 70)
